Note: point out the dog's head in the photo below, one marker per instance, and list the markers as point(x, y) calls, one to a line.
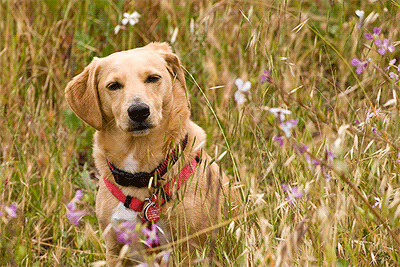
point(133, 90)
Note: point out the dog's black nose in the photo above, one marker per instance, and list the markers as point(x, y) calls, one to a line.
point(139, 112)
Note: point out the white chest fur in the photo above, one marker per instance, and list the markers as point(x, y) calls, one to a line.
point(130, 164)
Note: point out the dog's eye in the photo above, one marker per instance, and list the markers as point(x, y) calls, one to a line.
point(114, 86)
point(153, 78)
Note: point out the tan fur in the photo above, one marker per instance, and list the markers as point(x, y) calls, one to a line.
point(197, 205)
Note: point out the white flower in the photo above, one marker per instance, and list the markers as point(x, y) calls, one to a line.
point(378, 203)
point(280, 113)
point(360, 14)
point(243, 88)
point(131, 18)
point(116, 29)
point(287, 126)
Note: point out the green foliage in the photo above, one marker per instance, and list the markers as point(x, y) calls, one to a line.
point(45, 150)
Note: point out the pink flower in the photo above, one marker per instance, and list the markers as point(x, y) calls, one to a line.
point(292, 193)
point(361, 65)
point(73, 215)
point(151, 234)
point(384, 46)
point(279, 139)
point(373, 36)
point(391, 64)
point(266, 77)
point(126, 233)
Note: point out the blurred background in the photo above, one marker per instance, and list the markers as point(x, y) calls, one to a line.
point(320, 186)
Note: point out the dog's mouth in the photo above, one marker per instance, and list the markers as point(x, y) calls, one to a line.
point(139, 128)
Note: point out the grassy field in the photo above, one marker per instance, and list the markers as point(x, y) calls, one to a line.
point(320, 186)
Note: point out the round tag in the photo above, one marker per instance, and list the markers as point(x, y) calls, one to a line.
point(151, 212)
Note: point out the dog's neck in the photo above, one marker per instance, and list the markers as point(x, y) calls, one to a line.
point(134, 154)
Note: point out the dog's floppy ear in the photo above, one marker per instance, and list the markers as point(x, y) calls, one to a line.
point(82, 96)
point(174, 64)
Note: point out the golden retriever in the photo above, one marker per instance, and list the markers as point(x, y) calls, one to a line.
point(137, 102)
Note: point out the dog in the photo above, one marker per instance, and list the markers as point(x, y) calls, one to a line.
point(147, 150)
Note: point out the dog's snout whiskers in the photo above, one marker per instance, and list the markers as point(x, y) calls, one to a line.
point(139, 112)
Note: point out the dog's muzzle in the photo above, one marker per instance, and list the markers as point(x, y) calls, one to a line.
point(139, 114)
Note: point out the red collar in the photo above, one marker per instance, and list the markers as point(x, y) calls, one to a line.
point(151, 209)
point(142, 179)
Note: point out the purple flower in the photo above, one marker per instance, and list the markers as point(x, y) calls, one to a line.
point(8, 212)
point(71, 206)
point(287, 126)
point(374, 130)
point(300, 148)
point(375, 34)
point(384, 46)
point(372, 114)
point(361, 65)
point(394, 76)
point(151, 234)
point(12, 210)
point(285, 187)
point(279, 139)
point(78, 195)
point(266, 77)
point(391, 64)
point(292, 193)
point(331, 155)
point(165, 258)
point(75, 216)
point(126, 233)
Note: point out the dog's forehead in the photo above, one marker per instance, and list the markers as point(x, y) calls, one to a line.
point(135, 59)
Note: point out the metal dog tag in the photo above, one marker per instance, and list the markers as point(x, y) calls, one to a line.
point(151, 212)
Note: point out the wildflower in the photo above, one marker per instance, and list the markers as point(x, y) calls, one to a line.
point(151, 234)
point(378, 203)
point(360, 14)
point(384, 46)
point(314, 162)
point(372, 114)
point(287, 126)
point(330, 155)
point(131, 18)
point(292, 193)
point(165, 258)
point(243, 88)
point(125, 232)
point(376, 33)
point(361, 65)
point(394, 76)
point(300, 148)
point(266, 77)
point(12, 210)
point(8, 212)
point(74, 215)
point(117, 28)
point(391, 64)
point(279, 139)
point(280, 113)
point(360, 125)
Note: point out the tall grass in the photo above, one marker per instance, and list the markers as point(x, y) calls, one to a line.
point(307, 45)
